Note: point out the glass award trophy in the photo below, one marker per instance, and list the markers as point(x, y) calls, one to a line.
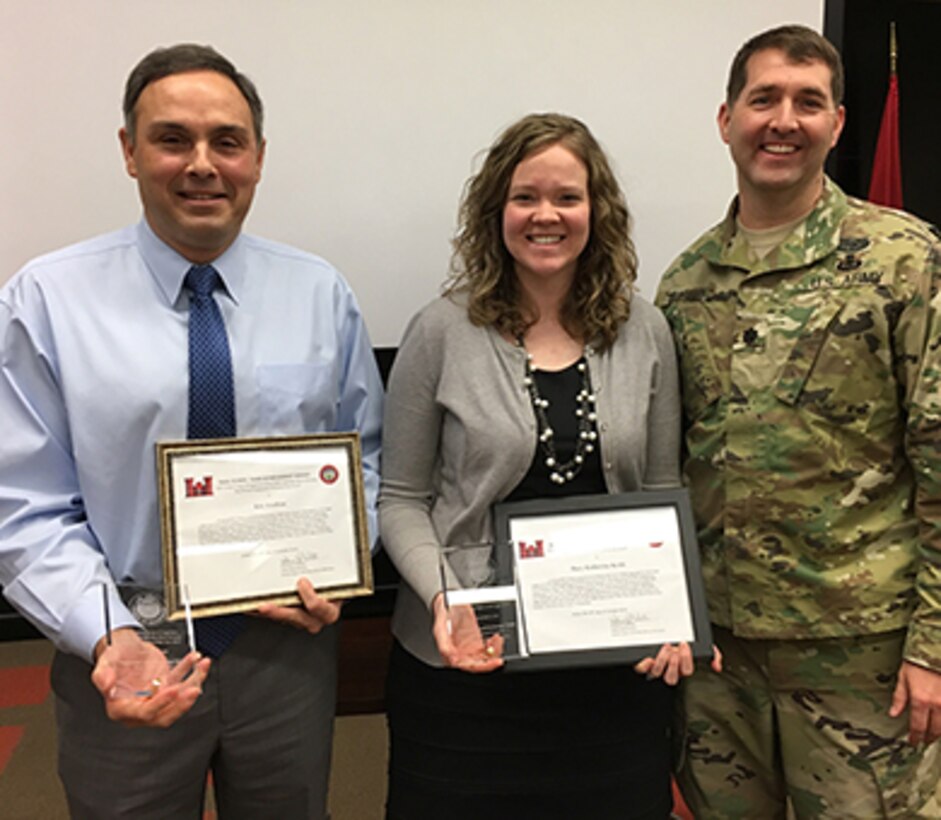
point(143, 667)
point(481, 601)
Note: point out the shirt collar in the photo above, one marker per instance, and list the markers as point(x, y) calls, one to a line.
point(169, 268)
point(812, 238)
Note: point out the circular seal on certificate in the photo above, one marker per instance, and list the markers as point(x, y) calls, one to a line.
point(329, 474)
point(147, 607)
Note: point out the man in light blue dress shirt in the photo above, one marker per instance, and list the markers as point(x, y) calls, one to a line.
point(93, 373)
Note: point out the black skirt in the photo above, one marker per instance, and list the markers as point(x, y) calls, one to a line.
point(572, 744)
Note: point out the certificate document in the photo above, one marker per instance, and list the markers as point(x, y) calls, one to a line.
point(600, 579)
point(244, 519)
point(605, 578)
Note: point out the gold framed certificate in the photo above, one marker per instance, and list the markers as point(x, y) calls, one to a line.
point(242, 519)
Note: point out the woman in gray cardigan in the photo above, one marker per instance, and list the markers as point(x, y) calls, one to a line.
point(538, 331)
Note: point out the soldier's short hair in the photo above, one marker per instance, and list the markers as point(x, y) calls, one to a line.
point(800, 44)
point(178, 59)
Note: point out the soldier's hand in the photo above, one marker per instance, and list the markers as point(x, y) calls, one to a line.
point(919, 689)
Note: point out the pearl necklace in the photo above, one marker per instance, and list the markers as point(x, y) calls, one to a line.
point(584, 413)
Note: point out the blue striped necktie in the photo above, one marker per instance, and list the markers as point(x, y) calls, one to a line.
point(211, 411)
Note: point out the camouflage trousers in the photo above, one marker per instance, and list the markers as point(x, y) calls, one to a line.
point(801, 726)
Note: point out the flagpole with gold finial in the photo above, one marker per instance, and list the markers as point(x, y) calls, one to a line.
point(893, 49)
point(885, 183)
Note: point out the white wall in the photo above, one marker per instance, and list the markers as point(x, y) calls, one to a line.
point(377, 112)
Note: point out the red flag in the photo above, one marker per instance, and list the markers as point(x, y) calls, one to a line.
point(885, 186)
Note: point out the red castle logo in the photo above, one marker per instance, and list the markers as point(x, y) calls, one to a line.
point(536, 550)
point(195, 489)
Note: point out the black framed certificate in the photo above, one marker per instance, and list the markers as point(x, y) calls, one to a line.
point(242, 519)
point(599, 579)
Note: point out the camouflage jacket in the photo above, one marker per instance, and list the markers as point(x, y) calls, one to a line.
point(812, 408)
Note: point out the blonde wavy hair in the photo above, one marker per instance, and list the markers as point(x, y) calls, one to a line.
point(482, 268)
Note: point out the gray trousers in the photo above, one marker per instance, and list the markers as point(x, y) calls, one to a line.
point(263, 728)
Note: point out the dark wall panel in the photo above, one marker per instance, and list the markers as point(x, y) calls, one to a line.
point(860, 28)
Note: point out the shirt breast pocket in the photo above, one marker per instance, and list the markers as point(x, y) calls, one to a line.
point(297, 397)
point(840, 365)
point(703, 356)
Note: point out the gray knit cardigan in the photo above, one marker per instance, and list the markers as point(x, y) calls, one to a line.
point(460, 433)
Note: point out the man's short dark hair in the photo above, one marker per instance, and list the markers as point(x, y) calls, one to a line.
point(178, 59)
point(800, 44)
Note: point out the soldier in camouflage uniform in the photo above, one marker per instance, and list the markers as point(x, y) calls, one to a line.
point(808, 331)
